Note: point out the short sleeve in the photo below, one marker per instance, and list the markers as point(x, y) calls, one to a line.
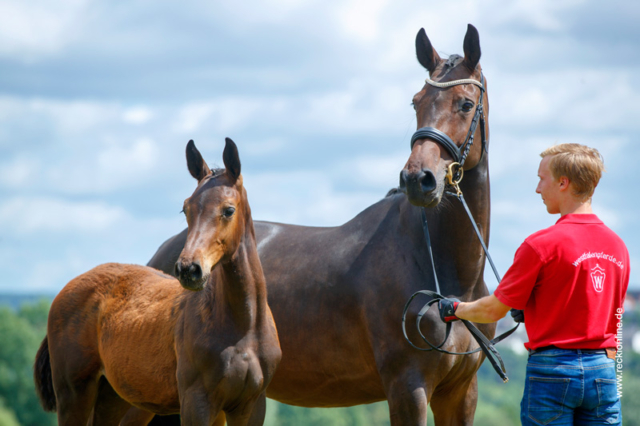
point(516, 286)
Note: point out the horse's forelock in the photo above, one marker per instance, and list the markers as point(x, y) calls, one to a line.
point(453, 60)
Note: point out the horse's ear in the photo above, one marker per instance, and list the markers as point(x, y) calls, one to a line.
point(471, 48)
point(427, 56)
point(231, 159)
point(196, 164)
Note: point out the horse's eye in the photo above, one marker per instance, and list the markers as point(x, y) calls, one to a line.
point(413, 105)
point(466, 107)
point(228, 212)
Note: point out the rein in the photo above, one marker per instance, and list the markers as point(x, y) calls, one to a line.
point(454, 177)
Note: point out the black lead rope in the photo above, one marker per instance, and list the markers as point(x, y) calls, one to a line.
point(484, 344)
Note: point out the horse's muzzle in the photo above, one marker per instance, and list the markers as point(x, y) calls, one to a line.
point(190, 275)
point(421, 188)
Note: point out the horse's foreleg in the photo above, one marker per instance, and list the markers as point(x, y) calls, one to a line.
point(407, 396)
point(455, 405)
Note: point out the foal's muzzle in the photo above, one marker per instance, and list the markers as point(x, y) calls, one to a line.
point(190, 275)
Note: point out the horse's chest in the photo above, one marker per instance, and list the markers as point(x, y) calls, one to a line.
point(239, 373)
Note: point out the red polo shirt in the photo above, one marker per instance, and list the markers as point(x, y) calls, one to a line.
point(571, 280)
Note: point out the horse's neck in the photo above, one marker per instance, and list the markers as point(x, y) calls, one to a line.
point(458, 253)
point(241, 289)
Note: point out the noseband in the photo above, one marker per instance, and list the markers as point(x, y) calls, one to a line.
point(459, 154)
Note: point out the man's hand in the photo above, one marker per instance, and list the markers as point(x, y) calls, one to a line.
point(447, 308)
point(517, 315)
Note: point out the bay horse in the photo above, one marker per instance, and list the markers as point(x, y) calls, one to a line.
point(337, 293)
point(204, 346)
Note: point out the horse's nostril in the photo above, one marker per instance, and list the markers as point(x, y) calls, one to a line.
point(428, 181)
point(195, 271)
point(177, 269)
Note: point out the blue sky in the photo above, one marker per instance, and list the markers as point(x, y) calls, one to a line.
point(98, 100)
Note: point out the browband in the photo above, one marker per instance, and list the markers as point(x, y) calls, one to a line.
point(454, 83)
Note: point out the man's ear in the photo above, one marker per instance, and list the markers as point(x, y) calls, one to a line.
point(564, 183)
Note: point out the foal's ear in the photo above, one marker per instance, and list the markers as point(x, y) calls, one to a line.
point(231, 159)
point(427, 56)
point(471, 48)
point(197, 166)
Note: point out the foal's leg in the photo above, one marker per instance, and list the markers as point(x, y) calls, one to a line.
point(137, 417)
point(240, 418)
point(456, 405)
point(109, 407)
point(75, 400)
point(221, 420)
point(196, 409)
point(251, 413)
point(259, 411)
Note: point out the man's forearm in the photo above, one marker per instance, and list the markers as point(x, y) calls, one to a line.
point(485, 310)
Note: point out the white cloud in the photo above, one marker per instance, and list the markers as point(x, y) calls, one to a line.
point(32, 29)
point(379, 172)
point(121, 163)
point(137, 115)
point(34, 215)
point(359, 18)
point(544, 15)
point(304, 197)
point(18, 172)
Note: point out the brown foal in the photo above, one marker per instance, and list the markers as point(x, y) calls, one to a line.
point(126, 335)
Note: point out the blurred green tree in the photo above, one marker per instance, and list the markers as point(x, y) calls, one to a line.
point(21, 333)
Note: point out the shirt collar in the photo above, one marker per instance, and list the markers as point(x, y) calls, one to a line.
point(579, 218)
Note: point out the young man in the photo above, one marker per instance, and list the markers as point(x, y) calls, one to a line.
point(570, 280)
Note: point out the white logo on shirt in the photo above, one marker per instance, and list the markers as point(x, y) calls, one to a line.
point(597, 278)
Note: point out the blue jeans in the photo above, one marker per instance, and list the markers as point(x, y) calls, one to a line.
point(568, 387)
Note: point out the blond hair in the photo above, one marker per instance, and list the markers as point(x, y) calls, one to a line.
point(583, 166)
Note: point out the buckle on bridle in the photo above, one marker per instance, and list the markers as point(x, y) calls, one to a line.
point(454, 176)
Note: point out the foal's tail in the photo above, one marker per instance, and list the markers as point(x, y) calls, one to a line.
point(42, 377)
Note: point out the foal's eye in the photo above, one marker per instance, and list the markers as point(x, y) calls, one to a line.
point(466, 107)
point(228, 212)
point(413, 105)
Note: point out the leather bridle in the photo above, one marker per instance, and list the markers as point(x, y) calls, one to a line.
point(454, 177)
point(459, 155)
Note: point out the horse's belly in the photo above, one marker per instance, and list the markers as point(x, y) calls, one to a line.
point(327, 361)
point(308, 388)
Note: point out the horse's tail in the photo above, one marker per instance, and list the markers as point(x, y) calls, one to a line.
point(42, 377)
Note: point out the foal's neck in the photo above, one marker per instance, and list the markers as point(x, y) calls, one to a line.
point(241, 289)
